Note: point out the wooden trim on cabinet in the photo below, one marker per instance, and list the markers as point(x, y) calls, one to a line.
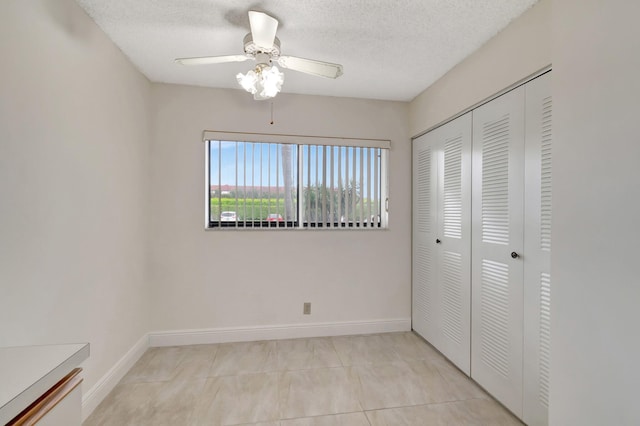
point(40, 407)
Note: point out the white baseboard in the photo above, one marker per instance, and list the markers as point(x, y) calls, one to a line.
point(277, 332)
point(94, 396)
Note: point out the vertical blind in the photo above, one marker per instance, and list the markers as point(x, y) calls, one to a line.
point(253, 184)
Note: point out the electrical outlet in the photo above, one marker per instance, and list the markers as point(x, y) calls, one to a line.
point(306, 310)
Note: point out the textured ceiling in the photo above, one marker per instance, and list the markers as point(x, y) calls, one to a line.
point(389, 49)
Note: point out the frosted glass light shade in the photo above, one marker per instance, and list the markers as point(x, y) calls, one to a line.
point(248, 81)
point(262, 83)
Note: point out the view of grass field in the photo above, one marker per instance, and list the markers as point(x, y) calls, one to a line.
point(247, 209)
point(318, 205)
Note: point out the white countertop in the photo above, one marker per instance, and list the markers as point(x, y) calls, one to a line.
point(26, 372)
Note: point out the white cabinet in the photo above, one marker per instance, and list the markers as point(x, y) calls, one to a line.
point(441, 242)
point(482, 243)
point(41, 384)
point(67, 412)
point(60, 406)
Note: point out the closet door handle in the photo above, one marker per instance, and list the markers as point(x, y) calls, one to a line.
point(514, 255)
point(438, 241)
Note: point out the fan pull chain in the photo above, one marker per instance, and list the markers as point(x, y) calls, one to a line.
point(271, 113)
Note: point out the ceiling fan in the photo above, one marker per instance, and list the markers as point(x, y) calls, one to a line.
point(262, 45)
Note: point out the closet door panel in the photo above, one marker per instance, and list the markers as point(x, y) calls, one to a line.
point(497, 209)
point(454, 233)
point(537, 262)
point(424, 291)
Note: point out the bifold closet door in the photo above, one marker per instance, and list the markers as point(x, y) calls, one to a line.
point(537, 259)
point(497, 265)
point(447, 245)
point(424, 312)
point(454, 236)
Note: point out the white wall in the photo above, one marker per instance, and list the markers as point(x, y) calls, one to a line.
point(74, 142)
point(596, 213)
point(217, 279)
point(519, 50)
point(596, 286)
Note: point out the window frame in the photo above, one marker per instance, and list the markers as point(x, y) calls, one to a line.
point(300, 141)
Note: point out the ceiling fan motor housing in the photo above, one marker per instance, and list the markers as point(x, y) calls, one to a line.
point(250, 48)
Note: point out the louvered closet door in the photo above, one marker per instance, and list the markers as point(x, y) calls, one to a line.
point(441, 240)
point(424, 297)
point(497, 211)
point(537, 262)
point(454, 232)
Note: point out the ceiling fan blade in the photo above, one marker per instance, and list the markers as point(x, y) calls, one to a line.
point(310, 66)
point(263, 29)
point(204, 60)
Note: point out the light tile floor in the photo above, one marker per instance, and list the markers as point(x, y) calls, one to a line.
point(382, 379)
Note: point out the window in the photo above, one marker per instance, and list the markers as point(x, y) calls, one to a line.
point(288, 182)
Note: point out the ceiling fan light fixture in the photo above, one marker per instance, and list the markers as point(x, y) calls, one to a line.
point(262, 46)
point(248, 81)
point(272, 79)
point(264, 82)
